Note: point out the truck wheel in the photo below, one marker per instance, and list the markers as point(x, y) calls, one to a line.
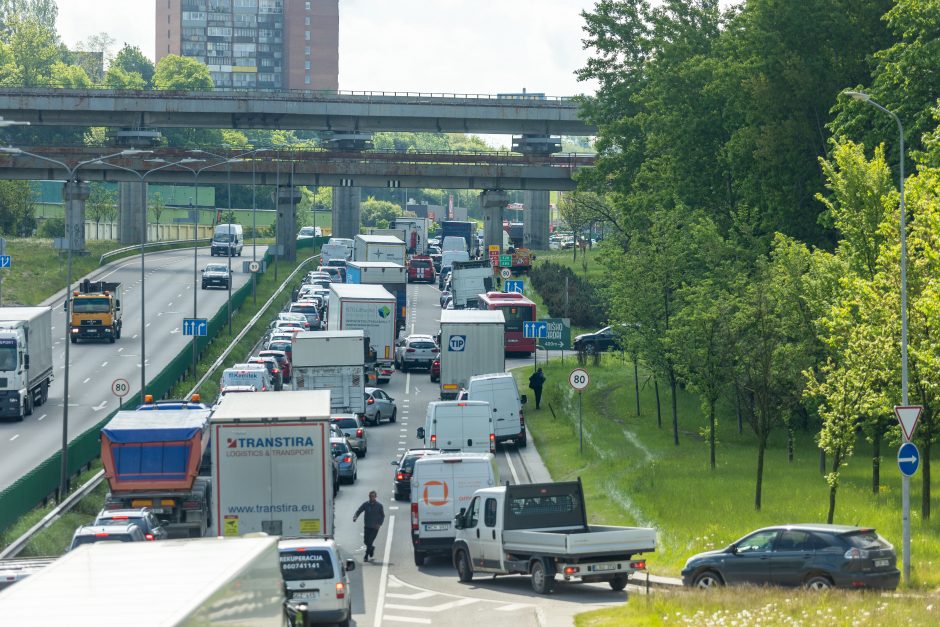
point(45, 392)
point(377, 419)
point(618, 583)
point(363, 453)
point(542, 581)
point(74, 339)
point(522, 442)
point(111, 339)
point(117, 333)
point(464, 569)
point(419, 558)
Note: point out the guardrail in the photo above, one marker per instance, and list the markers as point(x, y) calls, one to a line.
point(169, 244)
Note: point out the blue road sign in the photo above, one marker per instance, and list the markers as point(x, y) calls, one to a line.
point(535, 329)
point(457, 343)
point(195, 326)
point(517, 287)
point(6, 261)
point(908, 459)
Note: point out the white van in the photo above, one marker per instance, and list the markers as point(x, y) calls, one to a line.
point(448, 257)
point(440, 486)
point(459, 426)
point(454, 242)
point(347, 244)
point(315, 573)
point(227, 240)
point(500, 391)
point(238, 376)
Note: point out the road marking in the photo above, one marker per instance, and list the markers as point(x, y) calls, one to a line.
point(134, 337)
point(120, 349)
point(403, 429)
point(43, 416)
point(170, 304)
point(103, 364)
point(383, 582)
point(512, 469)
point(426, 594)
point(407, 619)
point(146, 325)
point(101, 406)
point(512, 607)
point(176, 330)
point(393, 507)
point(86, 380)
point(443, 607)
point(407, 382)
point(417, 391)
point(400, 448)
point(14, 437)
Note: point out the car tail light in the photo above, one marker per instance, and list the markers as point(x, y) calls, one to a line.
point(638, 565)
point(358, 433)
point(492, 443)
point(102, 535)
point(434, 438)
point(274, 371)
point(400, 476)
point(149, 536)
point(119, 518)
point(347, 459)
point(414, 516)
point(340, 590)
point(410, 350)
point(264, 388)
point(370, 401)
point(856, 554)
point(570, 570)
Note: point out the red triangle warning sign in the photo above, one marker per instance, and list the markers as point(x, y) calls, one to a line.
point(908, 417)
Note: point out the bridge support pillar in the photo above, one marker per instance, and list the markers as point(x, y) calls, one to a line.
point(493, 201)
point(288, 197)
point(130, 206)
point(346, 211)
point(536, 217)
point(75, 193)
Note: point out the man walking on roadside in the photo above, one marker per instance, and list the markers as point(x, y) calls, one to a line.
point(373, 517)
point(536, 381)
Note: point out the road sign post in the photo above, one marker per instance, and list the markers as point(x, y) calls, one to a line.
point(536, 330)
point(579, 380)
point(907, 416)
point(120, 388)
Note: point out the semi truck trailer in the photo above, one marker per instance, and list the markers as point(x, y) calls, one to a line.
point(25, 359)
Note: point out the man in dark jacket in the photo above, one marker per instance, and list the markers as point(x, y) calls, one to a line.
point(536, 381)
point(373, 517)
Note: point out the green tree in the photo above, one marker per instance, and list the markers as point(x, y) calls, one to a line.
point(118, 78)
point(379, 213)
point(174, 72)
point(17, 208)
point(11, 11)
point(131, 60)
point(101, 205)
point(157, 207)
point(33, 51)
point(70, 76)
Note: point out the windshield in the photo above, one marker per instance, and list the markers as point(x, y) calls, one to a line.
point(515, 316)
point(866, 539)
point(223, 237)
point(111, 537)
point(347, 423)
point(420, 263)
point(306, 565)
point(339, 448)
point(91, 305)
point(424, 345)
point(307, 230)
point(8, 355)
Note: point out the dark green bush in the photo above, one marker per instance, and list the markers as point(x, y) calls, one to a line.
point(586, 306)
point(52, 227)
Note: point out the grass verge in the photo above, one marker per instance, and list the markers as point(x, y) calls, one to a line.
point(634, 474)
point(767, 607)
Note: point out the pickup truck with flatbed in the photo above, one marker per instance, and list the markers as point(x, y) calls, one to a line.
point(541, 530)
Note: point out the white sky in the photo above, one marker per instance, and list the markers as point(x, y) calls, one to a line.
point(454, 46)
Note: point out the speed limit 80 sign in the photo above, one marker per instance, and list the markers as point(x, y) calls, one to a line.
point(120, 387)
point(579, 379)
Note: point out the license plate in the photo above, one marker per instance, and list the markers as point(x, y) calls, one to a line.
point(440, 527)
point(881, 563)
point(605, 567)
point(311, 594)
point(141, 503)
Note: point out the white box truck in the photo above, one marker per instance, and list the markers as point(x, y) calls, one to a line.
point(334, 361)
point(211, 581)
point(472, 342)
point(272, 469)
point(468, 279)
point(391, 276)
point(379, 248)
point(416, 234)
point(25, 359)
point(372, 310)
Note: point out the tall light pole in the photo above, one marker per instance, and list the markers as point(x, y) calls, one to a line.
point(905, 480)
point(69, 180)
point(143, 241)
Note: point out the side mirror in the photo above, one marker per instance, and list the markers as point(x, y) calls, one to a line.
point(118, 306)
point(458, 520)
point(523, 399)
point(26, 361)
point(350, 564)
point(733, 549)
point(420, 433)
point(394, 462)
point(203, 270)
point(65, 306)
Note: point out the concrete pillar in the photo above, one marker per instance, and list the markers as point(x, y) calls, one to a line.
point(130, 205)
point(346, 211)
point(288, 197)
point(536, 217)
point(493, 201)
point(75, 193)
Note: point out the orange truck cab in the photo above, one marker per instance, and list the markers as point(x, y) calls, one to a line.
point(95, 311)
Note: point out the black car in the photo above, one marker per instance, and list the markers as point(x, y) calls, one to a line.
point(215, 275)
point(597, 342)
point(404, 466)
point(814, 556)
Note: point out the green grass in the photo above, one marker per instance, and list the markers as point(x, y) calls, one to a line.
point(595, 270)
point(242, 216)
point(634, 475)
point(766, 607)
point(39, 270)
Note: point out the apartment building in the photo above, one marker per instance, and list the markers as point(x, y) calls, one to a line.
point(255, 44)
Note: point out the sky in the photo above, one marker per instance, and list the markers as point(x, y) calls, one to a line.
point(441, 46)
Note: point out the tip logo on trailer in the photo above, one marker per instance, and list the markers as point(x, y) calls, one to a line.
point(457, 343)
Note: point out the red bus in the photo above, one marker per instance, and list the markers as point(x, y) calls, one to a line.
point(516, 309)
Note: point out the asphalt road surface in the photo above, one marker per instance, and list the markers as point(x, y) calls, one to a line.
point(169, 298)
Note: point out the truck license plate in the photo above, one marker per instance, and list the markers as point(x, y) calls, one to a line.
point(881, 563)
point(605, 567)
point(438, 527)
point(311, 594)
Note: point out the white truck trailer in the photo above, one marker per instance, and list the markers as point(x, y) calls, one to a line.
point(372, 310)
point(391, 276)
point(211, 581)
point(468, 279)
point(272, 469)
point(334, 361)
point(25, 359)
point(379, 248)
point(416, 234)
point(472, 342)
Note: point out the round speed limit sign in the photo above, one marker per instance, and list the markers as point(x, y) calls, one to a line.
point(579, 379)
point(254, 266)
point(120, 387)
point(505, 273)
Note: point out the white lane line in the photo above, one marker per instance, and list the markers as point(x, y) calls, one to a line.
point(403, 429)
point(103, 364)
point(43, 416)
point(512, 607)
point(406, 619)
point(425, 594)
point(383, 582)
point(176, 330)
point(512, 469)
point(400, 448)
point(14, 437)
point(100, 407)
point(86, 380)
point(442, 607)
point(407, 382)
point(135, 337)
point(146, 325)
point(120, 349)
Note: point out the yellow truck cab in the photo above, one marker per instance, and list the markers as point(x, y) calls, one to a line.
point(95, 311)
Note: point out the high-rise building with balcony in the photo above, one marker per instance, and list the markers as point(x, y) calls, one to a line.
point(249, 44)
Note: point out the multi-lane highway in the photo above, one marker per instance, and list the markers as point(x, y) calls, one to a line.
point(168, 287)
point(392, 590)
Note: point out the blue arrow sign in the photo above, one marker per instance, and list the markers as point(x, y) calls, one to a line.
point(6, 261)
point(535, 329)
point(908, 459)
point(195, 326)
point(517, 287)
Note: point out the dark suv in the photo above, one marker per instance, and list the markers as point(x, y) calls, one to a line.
point(597, 342)
point(814, 556)
point(404, 466)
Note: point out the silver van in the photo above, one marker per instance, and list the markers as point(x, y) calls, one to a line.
point(316, 574)
point(227, 240)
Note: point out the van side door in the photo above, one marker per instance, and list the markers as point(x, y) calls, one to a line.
point(473, 526)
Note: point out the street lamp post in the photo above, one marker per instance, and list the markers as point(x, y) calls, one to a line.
point(69, 181)
point(905, 480)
